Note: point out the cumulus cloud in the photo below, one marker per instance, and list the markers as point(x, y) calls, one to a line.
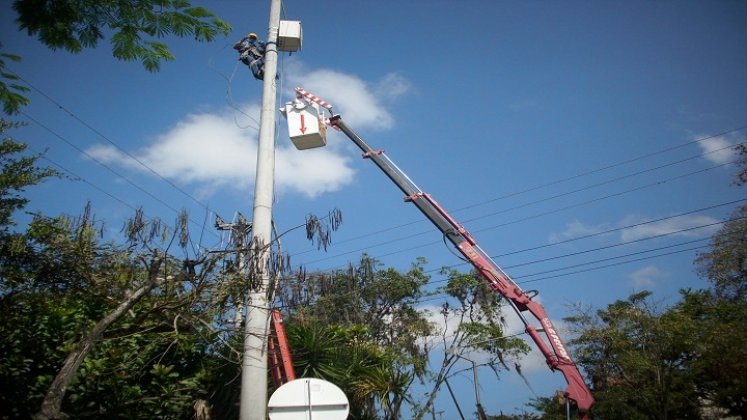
point(687, 226)
point(214, 149)
point(576, 229)
point(718, 150)
point(362, 104)
point(683, 226)
point(646, 277)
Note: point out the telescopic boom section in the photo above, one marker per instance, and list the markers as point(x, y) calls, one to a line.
point(546, 336)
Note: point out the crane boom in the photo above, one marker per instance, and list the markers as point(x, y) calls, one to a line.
point(546, 337)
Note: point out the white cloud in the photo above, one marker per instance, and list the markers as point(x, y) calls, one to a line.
point(576, 229)
point(676, 227)
point(683, 226)
point(392, 86)
point(361, 104)
point(213, 150)
point(313, 171)
point(646, 277)
point(216, 149)
point(718, 149)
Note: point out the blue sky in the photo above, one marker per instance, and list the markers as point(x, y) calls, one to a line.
point(534, 123)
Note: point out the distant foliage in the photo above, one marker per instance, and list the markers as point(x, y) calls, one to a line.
point(11, 93)
point(136, 25)
point(684, 361)
point(18, 173)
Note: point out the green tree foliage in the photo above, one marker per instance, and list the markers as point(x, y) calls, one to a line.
point(725, 264)
point(384, 301)
point(346, 356)
point(135, 27)
point(18, 173)
point(11, 93)
point(364, 329)
point(360, 328)
point(721, 313)
point(639, 359)
point(684, 361)
point(149, 361)
point(477, 314)
point(720, 349)
point(59, 282)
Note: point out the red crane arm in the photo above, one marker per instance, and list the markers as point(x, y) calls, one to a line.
point(546, 337)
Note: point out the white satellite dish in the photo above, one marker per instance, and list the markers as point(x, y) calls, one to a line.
point(308, 399)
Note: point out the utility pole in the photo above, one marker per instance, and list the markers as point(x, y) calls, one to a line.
point(254, 362)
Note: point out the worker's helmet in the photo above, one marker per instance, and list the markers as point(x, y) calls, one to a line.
point(252, 35)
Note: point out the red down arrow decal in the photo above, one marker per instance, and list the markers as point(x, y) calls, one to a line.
point(303, 125)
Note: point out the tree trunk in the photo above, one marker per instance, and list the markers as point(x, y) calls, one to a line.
point(50, 408)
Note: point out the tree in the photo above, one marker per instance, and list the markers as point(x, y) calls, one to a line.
point(720, 349)
point(99, 308)
point(368, 374)
point(725, 264)
point(685, 361)
point(136, 26)
point(480, 325)
point(11, 93)
point(639, 359)
point(92, 328)
point(722, 312)
point(368, 313)
point(372, 315)
point(17, 174)
point(52, 403)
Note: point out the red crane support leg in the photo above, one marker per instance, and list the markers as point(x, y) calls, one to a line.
point(279, 357)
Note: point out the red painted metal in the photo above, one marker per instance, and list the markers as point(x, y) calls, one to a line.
point(280, 362)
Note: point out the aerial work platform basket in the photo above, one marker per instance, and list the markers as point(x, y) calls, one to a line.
point(306, 126)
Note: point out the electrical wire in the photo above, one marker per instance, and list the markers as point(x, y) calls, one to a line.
point(606, 247)
point(107, 167)
point(474, 205)
point(100, 189)
point(581, 175)
point(522, 219)
point(113, 143)
point(80, 178)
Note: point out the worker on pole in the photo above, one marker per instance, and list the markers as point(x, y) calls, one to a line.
point(252, 53)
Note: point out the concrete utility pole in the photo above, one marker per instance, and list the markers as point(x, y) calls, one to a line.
point(254, 363)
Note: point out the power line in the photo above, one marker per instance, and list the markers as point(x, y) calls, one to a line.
point(587, 251)
point(613, 265)
point(601, 267)
point(522, 219)
point(100, 134)
point(109, 168)
point(603, 248)
point(614, 165)
point(569, 178)
point(100, 189)
point(77, 177)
